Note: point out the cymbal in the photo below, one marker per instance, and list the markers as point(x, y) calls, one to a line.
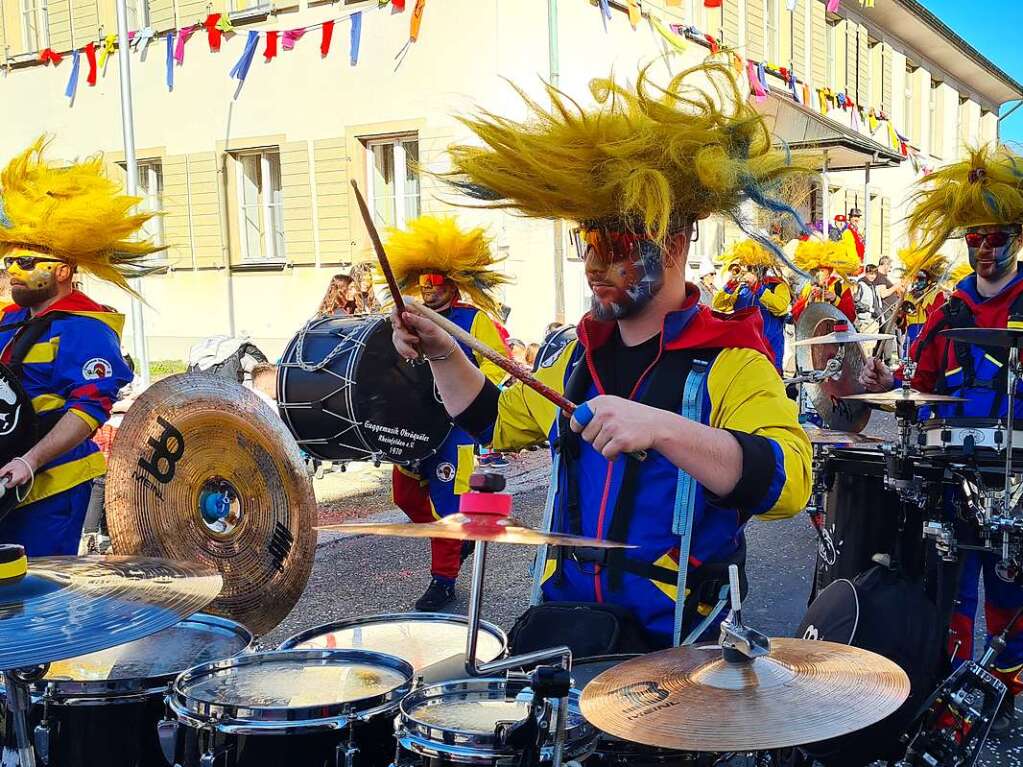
point(65, 607)
point(475, 527)
point(691, 699)
point(889, 399)
point(203, 470)
point(819, 436)
point(1004, 337)
point(844, 337)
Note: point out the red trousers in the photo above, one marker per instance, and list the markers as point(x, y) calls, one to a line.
point(413, 496)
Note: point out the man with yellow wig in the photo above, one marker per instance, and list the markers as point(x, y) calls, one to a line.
point(924, 291)
point(57, 222)
point(830, 263)
point(654, 369)
point(980, 199)
point(451, 269)
point(751, 283)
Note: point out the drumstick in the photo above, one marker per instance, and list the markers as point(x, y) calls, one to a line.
point(385, 265)
point(509, 366)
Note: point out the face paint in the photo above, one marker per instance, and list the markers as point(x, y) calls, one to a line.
point(31, 286)
point(919, 284)
point(436, 296)
point(625, 271)
point(992, 250)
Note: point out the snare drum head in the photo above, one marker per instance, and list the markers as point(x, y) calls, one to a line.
point(164, 655)
point(365, 402)
point(422, 640)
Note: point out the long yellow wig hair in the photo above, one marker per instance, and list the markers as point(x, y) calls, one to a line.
point(436, 244)
point(813, 254)
point(960, 272)
point(647, 158)
point(75, 214)
point(984, 189)
point(748, 253)
point(915, 260)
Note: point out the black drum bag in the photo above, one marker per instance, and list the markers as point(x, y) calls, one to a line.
point(586, 628)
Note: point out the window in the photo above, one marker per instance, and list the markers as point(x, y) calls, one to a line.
point(35, 26)
point(908, 118)
point(771, 30)
point(260, 205)
point(393, 183)
point(831, 46)
point(150, 189)
point(138, 14)
point(937, 118)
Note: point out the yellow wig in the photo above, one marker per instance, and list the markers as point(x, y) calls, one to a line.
point(75, 214)
point(748, 253)
point(984, 189)
point(436, 244)
point(813, 254)
point(915, 260)
point(960, 272)
point(646, 159)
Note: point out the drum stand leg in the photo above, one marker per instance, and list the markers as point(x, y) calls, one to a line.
point(19, 702)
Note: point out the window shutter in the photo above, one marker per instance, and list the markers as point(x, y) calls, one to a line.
point(161, 15)
point(84, 22)
point(298, 206)
point(755, 30)
point(730, 24)
point(819, 60)
point(331, 161)
point(204, 209)
point(176, 231)
point(58, 13)
point(798, 38)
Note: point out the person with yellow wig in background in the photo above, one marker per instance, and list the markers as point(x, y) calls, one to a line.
point(751, 282)
point(57, 222)
point(924, 291)
point(653, 369)
point(451, 270)
point(831, 263)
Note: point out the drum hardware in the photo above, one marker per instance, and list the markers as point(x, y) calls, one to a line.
point(740, 643)
point(943, 538)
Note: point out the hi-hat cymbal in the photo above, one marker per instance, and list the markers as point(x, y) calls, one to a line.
point(844, 337)
point(203, 470)
point(691, 699)
point(65, 607)
point(1003, 337)
point(890, 399)
point(819, 436)
point(473, 527)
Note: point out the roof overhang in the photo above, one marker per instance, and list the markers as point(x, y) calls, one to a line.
point(924, 32)
point(808, 133)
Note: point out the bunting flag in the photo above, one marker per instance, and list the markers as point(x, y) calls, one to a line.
point(673, 3)
point(675, 41)
point(711, 3)
point(326, 35)
point(241, 67)
point(398, 5)
point(213, 31)
point(142, 39)
point(806, 94)
point(635, 16)
point(833, 6)
point(872, 121)
point(796, 90)
point(791, 5)
point(759, 94)
point(417, 19)
point(50, 56)
point(762, 76)
point(72, 81)
point(108, 47)
point(713, 43)
point(90, 55)
point(605, 12)
point(179, 50)
point(170, 61)
point(291, 36)
point(356, 37)
point(225, 26)
point(270, 52)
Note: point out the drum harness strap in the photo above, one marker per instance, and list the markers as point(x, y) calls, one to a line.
point(28, 332)
point(662, 392)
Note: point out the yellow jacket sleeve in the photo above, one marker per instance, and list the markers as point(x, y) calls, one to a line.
point(777, 299)
point(524, 417)
point(748, 398)
point(724, 301)
point(484, 329)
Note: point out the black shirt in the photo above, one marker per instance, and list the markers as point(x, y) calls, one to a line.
point(620, 367)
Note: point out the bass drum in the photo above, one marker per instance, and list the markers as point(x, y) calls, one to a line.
point(346, 395)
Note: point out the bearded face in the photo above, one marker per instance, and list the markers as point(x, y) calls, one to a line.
point(993, 250)
point(33, 277)
point(624, 271)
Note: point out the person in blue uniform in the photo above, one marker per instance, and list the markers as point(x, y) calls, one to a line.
point(57, 222)
point(446, 264)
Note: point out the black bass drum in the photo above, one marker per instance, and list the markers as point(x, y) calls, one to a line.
point(346, 395)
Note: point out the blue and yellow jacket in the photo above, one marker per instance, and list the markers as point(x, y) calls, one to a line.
point(76, 366)
point(741, 392)
point(774, 299)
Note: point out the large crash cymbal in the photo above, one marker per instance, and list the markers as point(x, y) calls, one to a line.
point(691, 699)
point(472, 527)
point(844, 337)
point(998, 337)
point(203, 470)
point(895, 397)
point(64, 607)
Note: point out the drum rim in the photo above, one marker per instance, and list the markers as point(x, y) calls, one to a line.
point(432, 740)
point(292, 642)
point(68, 691)
point(237, 719)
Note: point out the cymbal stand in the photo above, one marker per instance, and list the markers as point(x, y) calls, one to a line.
point(19, 702)
point(485, 497)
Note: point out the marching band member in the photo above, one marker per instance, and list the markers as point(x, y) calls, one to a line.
point(56, 223)
point(982, 197)
point(830, 263)
point(924, 293)
point(656, 370)
point(851, 236)
point(751, 283)
point(446, 264)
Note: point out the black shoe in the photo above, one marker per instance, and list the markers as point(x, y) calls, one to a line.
point(1005, 719)
point(438, 594)
point(468, 549)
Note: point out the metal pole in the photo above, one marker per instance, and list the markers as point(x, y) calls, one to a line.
point(141, 349)
point(825, 198)
point(554, 65)
point(865, 226)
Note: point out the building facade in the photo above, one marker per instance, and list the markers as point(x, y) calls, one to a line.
point(253, 175)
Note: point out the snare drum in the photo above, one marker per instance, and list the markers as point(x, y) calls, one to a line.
point(433, 643)
point(465, 722)
point(314, 708)
point(346, 395)
point(983, 438)
point(102, 709)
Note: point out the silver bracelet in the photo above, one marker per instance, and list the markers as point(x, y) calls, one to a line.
point(444, 356)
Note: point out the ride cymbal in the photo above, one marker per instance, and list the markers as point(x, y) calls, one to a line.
point(472, 527)
point(691, 699)
point(203, 470)
point(64, 607)
point(890, 399)
point(999, 337)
